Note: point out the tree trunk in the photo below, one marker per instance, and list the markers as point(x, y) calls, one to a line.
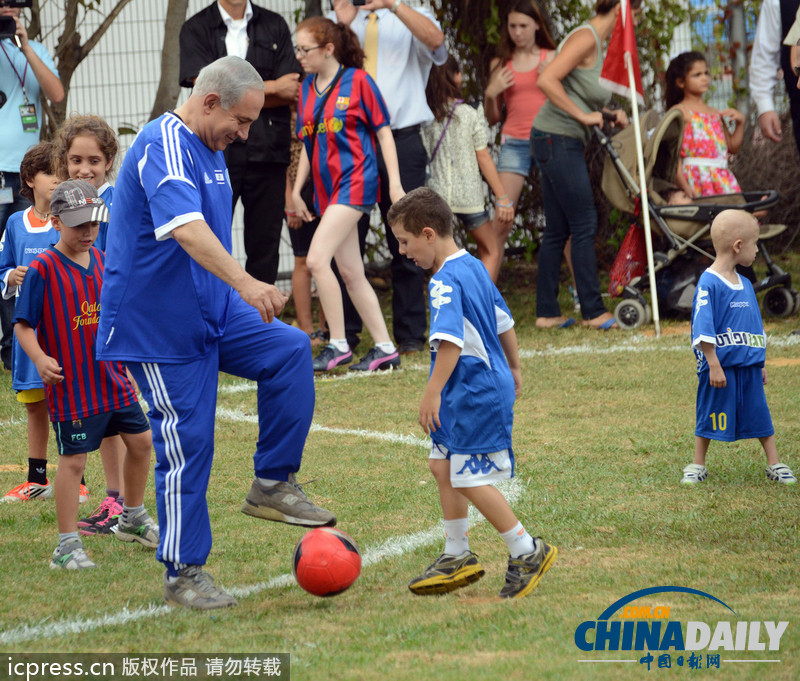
point(168, 85)
point(70, 52)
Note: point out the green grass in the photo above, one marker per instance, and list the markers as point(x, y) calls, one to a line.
point(600, 435)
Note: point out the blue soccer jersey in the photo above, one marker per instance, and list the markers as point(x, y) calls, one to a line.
point(21, 243)
point(466, 308)
point(106, 192)
point(168, 178)
point(727, 316)
point(61, 300)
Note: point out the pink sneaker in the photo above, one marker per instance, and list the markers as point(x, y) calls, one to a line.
point(103, 520)
point(377, 359)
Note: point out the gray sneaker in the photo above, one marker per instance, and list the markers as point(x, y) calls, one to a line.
point(141, 528)
point(195, 588)
point(285, 503)
point(448, 573)
point(525, 572)
point(71, 557)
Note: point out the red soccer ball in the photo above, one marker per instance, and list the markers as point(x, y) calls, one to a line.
point(326, 561)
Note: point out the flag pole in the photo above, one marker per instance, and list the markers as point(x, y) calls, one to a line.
point(643, 189)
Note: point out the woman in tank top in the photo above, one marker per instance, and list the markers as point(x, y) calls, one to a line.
point(526, 47)
point(560, 131)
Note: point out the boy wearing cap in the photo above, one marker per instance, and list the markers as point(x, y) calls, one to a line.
point(56, 324)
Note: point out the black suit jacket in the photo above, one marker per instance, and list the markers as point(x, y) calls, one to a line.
point(202, 41)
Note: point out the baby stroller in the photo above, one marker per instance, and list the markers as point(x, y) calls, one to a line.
point(681, 239)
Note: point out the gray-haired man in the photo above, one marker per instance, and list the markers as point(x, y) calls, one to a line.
point(177, 309)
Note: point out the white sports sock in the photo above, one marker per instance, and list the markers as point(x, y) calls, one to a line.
point(519, 542)
point(340, 344)
point(455, 536)
point(130, 512)
point(388, 347)
point(65, 537)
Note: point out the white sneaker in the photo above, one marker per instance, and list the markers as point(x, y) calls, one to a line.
point(779, 472)
point(694, 473)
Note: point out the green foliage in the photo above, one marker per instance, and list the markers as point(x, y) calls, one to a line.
point(619, 223)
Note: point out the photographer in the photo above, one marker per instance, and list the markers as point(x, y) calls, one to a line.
point(26, 72)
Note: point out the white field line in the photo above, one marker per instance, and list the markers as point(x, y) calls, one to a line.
point(639, 343)
point(391, 548)
point(249, 386)
point(237, 415)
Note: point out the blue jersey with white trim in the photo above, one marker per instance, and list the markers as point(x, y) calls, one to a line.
point(727, 316)
point(20, 244)
point(159, 304)
point(477, 411)
point(106, 193)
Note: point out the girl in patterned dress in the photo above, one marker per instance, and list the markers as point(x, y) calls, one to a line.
point(457, 146)
point(707, 139)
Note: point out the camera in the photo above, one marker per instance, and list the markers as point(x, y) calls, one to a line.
point(359, 2)
point(8, 27)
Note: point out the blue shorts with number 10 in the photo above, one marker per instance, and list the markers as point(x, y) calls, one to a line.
point(736, 412)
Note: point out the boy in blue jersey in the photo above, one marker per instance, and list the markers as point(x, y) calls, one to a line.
point(27, 234)
point(468, 405)
point(56, 324)
point(730, 346)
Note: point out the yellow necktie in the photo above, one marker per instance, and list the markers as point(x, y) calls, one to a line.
point(371, 46)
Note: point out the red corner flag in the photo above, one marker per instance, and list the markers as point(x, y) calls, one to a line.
point(622, 47)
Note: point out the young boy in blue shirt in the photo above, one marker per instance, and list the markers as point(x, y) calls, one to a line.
point(730, 346)
point(468, 405)
point(55, 322)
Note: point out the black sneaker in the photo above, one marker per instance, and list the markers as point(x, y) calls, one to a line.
point(408, 347)
point(448, 573)
point(525, 572)
point(330, 358)
point(377, 359)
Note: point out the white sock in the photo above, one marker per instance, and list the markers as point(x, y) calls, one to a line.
point(266, 482)
point(66, 537)
point(388, 347)
point(340, 344)
point(455, 536)
point(519, 542)
point(130, 512)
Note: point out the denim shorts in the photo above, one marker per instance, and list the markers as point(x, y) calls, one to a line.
point(363, 208)
point(515, 156)
point(473, 220)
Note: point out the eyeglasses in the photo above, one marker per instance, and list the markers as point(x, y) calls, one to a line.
point(303, 51)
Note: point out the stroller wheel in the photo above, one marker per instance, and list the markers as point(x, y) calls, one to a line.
point(630, 314)
point(779, 302)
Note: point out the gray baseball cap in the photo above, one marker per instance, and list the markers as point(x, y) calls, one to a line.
point(76, 202)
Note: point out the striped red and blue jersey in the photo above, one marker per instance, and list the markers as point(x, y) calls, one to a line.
point(61, 300)
point(344, 162)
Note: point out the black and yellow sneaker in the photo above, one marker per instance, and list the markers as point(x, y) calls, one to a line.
point(525, 572)
point(448, 573)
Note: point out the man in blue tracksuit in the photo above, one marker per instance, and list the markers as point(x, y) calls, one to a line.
point(177, 309)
